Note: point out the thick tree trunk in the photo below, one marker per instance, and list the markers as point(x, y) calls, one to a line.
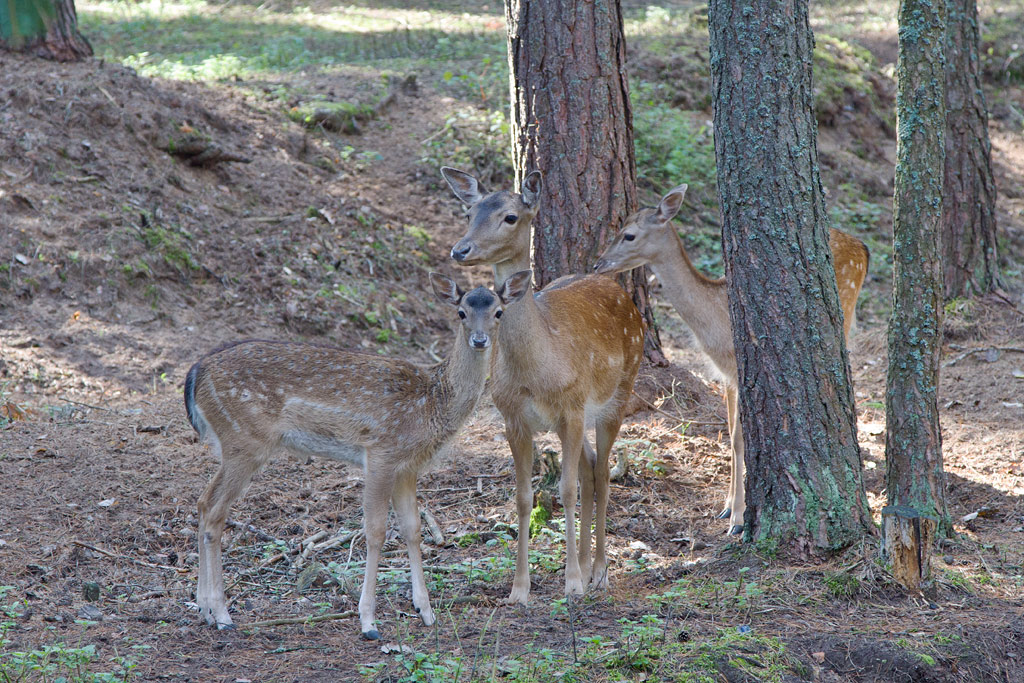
point(969, 255)
point(571, 119)
point(46, 28)
point(913, 443)
point(804, 485)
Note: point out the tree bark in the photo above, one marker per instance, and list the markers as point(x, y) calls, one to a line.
point(969, 252)
point(45, 28)
point(804, 485)
point(571, 119)
point(913, 443)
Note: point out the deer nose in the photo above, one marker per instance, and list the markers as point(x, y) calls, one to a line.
point(599, 266)
point(460, 251)
point(480, 340)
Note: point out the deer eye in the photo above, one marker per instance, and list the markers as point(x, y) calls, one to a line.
point(511, 218)
point(497, 313)
point(462, 314)
point(628, 238)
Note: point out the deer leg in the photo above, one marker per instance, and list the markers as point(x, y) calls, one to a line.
point(520, 441)
point(377, 490)
point(737, 489)
point(606, 433)
point(408, 513)
point(230, 481)
point(587, 459)
point(571, 433)
point(730, 394)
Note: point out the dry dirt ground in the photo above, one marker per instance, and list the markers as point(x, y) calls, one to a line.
point(122, 264)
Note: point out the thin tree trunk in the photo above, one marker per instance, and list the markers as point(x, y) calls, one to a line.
point(913, 444)
point(970, 263)
point(804, 485)
point(571, 119)
point(45, 28)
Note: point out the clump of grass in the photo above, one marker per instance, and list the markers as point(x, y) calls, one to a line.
point(344, 117)
point(846, 77)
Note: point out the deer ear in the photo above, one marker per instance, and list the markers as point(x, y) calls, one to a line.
point(531, 189)
point(515, 287)
point(670, 203)
point(466, 187)
point(445, 289)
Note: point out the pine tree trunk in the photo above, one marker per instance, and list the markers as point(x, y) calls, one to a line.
point(45, 28)
point(969, 254)
point(804, 485)
point(571, 119)
point(913, 444)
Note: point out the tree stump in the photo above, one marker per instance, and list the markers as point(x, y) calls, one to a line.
point(908, 537)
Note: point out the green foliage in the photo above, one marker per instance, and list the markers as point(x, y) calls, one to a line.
point(539, 517)
point(672, 146)
point(1002, 46)
point(843, 75)
point(472, 139)
point(208, 41)
point(842, 585)
point(23, 20)
point(56, 662)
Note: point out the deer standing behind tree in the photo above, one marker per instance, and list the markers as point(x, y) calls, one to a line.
point(566, 359)
point(648, 237)
point(253, 398)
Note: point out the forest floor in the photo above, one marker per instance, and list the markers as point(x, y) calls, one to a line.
point(121, 263)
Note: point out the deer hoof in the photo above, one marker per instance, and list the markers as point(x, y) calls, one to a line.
point(725, 514)
point(372, 634)
point(736, 530)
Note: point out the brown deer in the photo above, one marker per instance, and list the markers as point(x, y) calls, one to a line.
point(566, 359)
point(390, 417)
point(649, 238)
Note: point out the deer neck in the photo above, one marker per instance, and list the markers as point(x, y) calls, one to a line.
point(524, 335)
point(701, 302)
point(503, 270)
point(460, 379)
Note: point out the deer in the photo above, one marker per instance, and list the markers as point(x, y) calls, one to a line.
point(252, 399)
point(647, 237)
point(566, 359)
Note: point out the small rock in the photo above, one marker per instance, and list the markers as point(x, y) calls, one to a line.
point(91, 591)
point(91, 613)
point(743, 628)
point(948, 559)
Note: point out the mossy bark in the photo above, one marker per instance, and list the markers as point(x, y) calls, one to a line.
point(571, 119)
point(45, 28)
point(969, 248)
point(913, 444)
point(804, 485)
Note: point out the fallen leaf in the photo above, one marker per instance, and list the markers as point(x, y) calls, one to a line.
point(969, 517)
point(110, 501)
point(21, 258)
point(395, 647)
point(1013, 404)
point(819, 657)
point(1018, 373)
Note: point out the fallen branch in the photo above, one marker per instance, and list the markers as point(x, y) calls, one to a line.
point(287, 621)
point(143, 563)
point(983, 349)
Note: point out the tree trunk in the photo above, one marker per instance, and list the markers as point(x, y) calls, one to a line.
point(913, 443)
point(571, 119)
point(969, 256)
point(804, 485)
point(46, 28)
